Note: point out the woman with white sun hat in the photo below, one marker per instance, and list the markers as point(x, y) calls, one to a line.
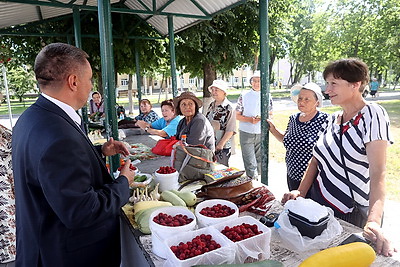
point(301, 133)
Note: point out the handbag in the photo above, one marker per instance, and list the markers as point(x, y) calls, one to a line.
point(359, 215)
point(192, 161)
point(164, 147)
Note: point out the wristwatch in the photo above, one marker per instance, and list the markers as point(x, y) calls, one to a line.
point(145, 129)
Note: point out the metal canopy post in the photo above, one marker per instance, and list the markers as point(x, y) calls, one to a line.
point(138, 82)
point(7, 95)
point(107, 73)
point(78, 43)
point(171, 36)
point(264, 68)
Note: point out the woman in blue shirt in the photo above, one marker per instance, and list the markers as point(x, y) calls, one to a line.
point(166, 126)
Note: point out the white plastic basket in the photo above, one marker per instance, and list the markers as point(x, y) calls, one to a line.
point(256, 247)
point(160, 232)
point(223, 255)
point(204, 221)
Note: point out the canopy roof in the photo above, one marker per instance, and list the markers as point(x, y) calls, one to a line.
point(154, 12)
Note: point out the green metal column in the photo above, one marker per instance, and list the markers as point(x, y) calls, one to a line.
point(78, 43)
point(107, 73)
point(137, 62)
point(264, 68)
point(172, 53)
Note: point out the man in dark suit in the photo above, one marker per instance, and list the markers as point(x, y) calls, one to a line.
point(67, 204)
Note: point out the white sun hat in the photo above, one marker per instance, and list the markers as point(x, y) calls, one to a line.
point(295, 91)
point(220, 84)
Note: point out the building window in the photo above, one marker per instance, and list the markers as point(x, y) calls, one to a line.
point(124, 82)
point(244, 79)
point(191, 81)
point(236, 79)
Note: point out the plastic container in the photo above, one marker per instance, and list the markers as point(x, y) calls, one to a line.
point(144, 183)
point(256, 247)
point(204, 221)
point(167, 181)
point(307, 228)
point(160, 232)
point(223, 255)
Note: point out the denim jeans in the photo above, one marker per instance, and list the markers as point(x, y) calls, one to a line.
point(251, 153)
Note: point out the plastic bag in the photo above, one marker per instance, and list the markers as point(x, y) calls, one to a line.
point(293, 240)
point(164, 147)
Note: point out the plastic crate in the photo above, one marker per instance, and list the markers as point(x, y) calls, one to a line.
point(307, 228)
point(160, 232)
point(223, 255)
point(204, 221)
point(256, 247)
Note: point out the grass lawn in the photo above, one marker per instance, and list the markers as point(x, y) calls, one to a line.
point(277, 151)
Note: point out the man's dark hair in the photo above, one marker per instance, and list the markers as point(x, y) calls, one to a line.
point(56, 61)
point(350, 69)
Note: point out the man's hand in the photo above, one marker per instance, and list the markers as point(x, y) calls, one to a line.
point(128, 172)
point(112, 147)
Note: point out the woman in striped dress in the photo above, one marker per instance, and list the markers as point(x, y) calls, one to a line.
point(347, 170)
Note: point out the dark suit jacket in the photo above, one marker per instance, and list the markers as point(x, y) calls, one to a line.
point(67, 204)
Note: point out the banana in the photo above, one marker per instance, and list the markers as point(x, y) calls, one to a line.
point(187, 196)
point(142, 205)
point(173, 198)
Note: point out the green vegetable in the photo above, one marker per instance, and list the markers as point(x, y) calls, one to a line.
point(264, 263)
point(140, 178)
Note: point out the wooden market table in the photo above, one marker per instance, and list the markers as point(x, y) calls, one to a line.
point(137, 248)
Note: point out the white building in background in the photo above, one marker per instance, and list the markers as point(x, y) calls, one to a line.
point(239, 79)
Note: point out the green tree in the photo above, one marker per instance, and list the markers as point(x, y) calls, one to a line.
point(151, 52)
point(20, 81)
point(227, 41)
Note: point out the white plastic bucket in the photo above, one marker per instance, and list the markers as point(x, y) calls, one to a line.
point(204, 221)
point(160, 232)
point(167, 181)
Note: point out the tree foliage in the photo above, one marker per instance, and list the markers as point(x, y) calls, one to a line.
point(20, 81)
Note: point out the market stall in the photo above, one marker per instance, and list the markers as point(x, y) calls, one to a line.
point(137, 247)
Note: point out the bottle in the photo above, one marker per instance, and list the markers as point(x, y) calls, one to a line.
point(183, 139)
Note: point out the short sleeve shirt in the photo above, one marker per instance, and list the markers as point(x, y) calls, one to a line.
point(299, 140)
point(168, 128)
point(151, 117)
point(225, 115)
point(373, 124)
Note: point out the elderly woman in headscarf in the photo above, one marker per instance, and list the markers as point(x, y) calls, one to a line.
point(222, 116)
point(194, 125)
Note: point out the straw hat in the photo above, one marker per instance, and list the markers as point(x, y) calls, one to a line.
point(187, 95)
point(220, 84)
point(295, 91)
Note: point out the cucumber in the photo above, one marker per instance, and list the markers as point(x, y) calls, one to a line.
point(264, 263)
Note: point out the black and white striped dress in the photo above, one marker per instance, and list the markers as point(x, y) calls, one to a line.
point(331, 180)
